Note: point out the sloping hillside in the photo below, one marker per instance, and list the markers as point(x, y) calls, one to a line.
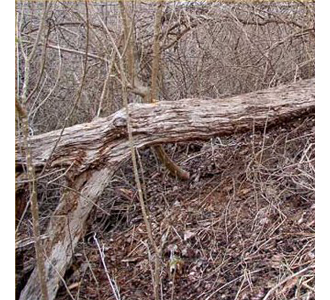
point(241, 228)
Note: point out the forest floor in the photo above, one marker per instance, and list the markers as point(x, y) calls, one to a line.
point(241, 228)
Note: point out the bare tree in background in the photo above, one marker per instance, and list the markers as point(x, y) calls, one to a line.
point(78, 62)
point(206, 49)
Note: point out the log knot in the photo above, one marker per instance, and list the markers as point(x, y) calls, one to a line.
point(120, 119)
point(120, 122)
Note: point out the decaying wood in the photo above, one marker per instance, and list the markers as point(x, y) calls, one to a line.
point(65, 229)
point(94, 150)
point(104, 141)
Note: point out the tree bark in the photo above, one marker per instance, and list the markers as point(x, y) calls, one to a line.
point(104, 141)
point(94, 151)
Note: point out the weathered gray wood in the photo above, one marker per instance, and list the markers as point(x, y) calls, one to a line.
point(65, 229)
point(97, 148)
point(104, 141)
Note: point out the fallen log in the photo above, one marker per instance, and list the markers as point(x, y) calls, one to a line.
point(65, 229)
point(94, 150)
point(104, 141)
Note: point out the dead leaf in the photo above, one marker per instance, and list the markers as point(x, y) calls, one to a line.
point(188, 234)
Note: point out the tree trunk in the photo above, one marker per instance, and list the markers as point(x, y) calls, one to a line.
point(96, 149)
point(65, 229)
